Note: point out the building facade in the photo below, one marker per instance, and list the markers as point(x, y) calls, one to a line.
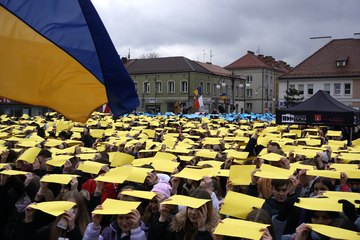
point(160, 82)
point(261, 74)
point(334, 68)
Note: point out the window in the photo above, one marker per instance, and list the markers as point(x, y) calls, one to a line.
point(171, 87)
point(327, 87)
point(249, 107)
point(337, 88)
point(202, 86)
point(310, 89)
point(292, 86)
point(184, 86)
point(347, 88)
point(237, 91)
point(146, 87)
point(214, 88)
point(226, 90)
point(248, 78)
point(249, 92)
point(301, 89)
point(158, 87)
point(340, 63)
point(136, 86)
point(208, 86)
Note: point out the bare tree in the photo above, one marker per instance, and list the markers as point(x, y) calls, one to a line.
point(150, 55)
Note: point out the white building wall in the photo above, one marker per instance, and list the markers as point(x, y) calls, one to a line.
point(319, 84)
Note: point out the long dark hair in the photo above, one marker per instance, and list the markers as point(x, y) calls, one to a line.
point(191, 230)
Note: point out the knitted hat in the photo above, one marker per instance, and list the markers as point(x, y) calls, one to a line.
point(162, 188)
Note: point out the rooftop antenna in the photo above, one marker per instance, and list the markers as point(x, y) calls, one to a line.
point(258, 51)
point(129, 54)
point(204, 54)
point(211, 55)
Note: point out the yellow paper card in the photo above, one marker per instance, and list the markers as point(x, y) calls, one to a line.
point(194, 173)
point(350, 196)
point(206, 154)
point(319, 204)
point(239, 205)
point(86, 156)
point(298, 165)
point(165, 166)
point(118, 159)
point(90, 167)
point(213, 163)
point(165, 156)
point(138, 174)
point(97, 133)
point(58, 178)
point(142, 161)
point(30, 155)
point(267, 171)
point(240, 228)
point(272, 157)
point(240, 174)
point(324, 173)
point(334, 232)
point(352, 174)
point(55, 208)
point(139, 194)
point(13, 172)
point(223, 173)
point(186, 158)
point(339, 166)
point(185, 201)
point(58, 160)
point(115, 207)
point(53, 142)
point(115, 175)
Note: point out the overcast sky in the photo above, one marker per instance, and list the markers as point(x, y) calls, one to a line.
point(190, 28)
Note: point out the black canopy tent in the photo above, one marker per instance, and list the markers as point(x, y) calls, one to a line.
point(320, 109)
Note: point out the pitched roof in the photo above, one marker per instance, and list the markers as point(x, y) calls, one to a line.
point(164, 65)
point(250, 60)
point(216, 70)
point(323, 62)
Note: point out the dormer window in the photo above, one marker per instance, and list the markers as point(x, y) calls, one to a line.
point(341, 62)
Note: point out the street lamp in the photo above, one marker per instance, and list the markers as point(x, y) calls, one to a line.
point(267, 97)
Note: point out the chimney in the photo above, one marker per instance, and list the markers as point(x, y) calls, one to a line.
point(124, 59)
point(250, 52)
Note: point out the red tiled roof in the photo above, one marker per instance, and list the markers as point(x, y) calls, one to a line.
point(217, 70)
point(250, 60)
point(323, 62)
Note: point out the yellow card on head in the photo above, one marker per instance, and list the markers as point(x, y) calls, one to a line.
point(194, 173)
point(241, 174)
point(139, 194)
point(339, 166)
point(205, 153)
point(324, 173)
point(12, 172)
point(138, 174)
point(213, 163)
point(272, 157)
point(58, 178)
point(237, 155)
point(334, 232)
point(268, 171)
point(319, 204)
point(30, 155)
point(350, 196)
point(58, 160)
point(90, 167)
point(118, 159)
point(116, 207)
point(185, 201)
point(186, 158)
point(165, 156)
point(239, 205)
point(165, 166)
point(240, 228)
point(55, 208)
point(115, 175)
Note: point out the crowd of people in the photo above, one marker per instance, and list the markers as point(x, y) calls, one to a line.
point(246, 179)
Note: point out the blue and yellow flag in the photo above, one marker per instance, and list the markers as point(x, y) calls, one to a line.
point(57, 54)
